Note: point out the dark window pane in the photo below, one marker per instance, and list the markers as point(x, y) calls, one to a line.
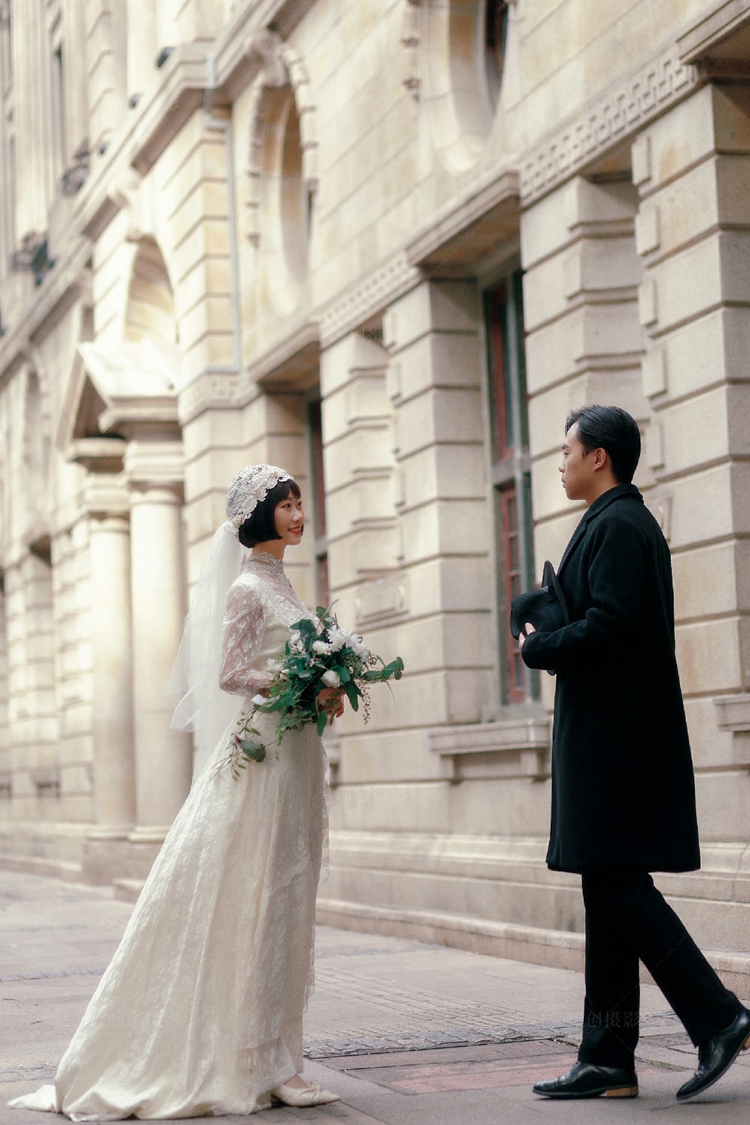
point(512, 585)
point(495, 35)
point(500, 402)
point(315, 422)
point(324, 592)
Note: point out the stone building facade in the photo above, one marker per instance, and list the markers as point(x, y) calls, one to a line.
point(387, 244)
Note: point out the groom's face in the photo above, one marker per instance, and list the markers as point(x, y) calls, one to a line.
point(576, 466)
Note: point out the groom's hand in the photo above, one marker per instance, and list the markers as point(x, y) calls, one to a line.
point(529, 629)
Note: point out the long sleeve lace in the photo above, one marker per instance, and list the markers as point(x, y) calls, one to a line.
point(243, 637)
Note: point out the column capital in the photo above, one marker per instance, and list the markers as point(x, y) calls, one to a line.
point(154, 464)
point(104, 496)
point(101, 455)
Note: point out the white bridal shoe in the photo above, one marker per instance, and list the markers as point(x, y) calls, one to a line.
point(304, 1095)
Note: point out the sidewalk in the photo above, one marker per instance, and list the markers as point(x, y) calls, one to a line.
point(408, 1034)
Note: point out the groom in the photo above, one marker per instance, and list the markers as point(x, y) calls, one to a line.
point(623, 797)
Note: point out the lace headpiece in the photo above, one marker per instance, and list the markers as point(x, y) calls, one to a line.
point(249, 488)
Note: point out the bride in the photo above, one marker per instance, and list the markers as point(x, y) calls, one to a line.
point(200, 1011)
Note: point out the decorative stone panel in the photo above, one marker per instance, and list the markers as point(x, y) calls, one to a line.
point(512, 748)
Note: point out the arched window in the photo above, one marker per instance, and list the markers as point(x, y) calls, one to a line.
point(286, 201)
point(495, 36)
point(150, 311)
point(464, 57)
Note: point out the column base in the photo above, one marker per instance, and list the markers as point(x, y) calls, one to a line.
point(144, 844)
point(105, 855)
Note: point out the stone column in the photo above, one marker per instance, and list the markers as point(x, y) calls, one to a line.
point(112, 681)
point(163, 756)
point(692, 168)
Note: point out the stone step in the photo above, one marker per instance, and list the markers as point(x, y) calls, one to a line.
point(555, 948)
point(494, 878)
point(127, 890)
point(42, 865)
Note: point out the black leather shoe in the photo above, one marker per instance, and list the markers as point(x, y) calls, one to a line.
point(717, 1054)
point(588, 1081)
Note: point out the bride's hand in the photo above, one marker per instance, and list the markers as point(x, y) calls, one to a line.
point(331, 700)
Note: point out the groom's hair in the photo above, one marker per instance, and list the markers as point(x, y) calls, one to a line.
point(612, 429)
point(260, 527)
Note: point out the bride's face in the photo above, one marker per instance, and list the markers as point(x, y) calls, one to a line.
point(289, 520)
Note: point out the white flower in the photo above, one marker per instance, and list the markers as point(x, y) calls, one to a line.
point(274, 665)
point(331, 678)
point(258, 699)
point(321, 646)
point(337, 639)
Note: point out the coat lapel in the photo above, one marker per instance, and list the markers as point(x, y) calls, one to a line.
point(598, 506)
point(573, 543)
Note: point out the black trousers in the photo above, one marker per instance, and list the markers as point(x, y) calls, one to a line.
point(627, 921)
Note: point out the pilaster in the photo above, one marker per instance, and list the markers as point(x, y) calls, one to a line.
point(359, 465)
point(694, 237)
point(31, 688)
point(584, 341)
point(6, 786)
point(434, 607)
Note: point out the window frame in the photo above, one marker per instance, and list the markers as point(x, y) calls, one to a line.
point(316, 460)
point(510, 467)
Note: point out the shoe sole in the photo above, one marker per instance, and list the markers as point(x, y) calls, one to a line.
point(742, 1047)
point(605, 1092)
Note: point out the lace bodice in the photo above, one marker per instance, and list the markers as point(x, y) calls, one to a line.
point(261, 607)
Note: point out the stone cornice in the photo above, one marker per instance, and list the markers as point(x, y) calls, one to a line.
point(60, 288)
point(158, 117)
point(712, 30)
point(469, 230)
point(163, 115)
point(611, 119)
point(365, 299)
point(289, 363)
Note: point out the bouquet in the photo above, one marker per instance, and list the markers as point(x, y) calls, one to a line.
point(318, 654)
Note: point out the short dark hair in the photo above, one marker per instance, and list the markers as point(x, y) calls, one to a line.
point(612, 429)
point(260, 527)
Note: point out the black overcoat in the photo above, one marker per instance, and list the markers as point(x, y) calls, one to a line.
point(623, 791)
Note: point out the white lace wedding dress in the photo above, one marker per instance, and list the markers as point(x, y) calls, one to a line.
point(200, 1011)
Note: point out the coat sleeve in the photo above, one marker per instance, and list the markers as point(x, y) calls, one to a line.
point(616, 576)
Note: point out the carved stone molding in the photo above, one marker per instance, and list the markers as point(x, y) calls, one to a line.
point(361, 302)
point(410, 42)
point(281, 65)
point(617, 115)
point(733, 712)
point(723, 29)
point(211, 390)
point(511, 748)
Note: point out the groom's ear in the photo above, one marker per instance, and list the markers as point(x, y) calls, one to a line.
point(602, 459)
